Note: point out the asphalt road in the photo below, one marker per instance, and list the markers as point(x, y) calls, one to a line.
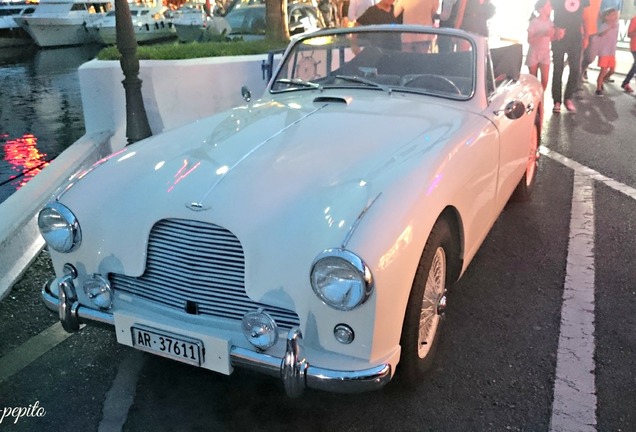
point(498, 365)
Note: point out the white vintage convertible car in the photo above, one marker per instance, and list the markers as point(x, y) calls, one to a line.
point(312, 233)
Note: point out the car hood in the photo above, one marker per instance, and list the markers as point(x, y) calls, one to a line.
point(278, 174)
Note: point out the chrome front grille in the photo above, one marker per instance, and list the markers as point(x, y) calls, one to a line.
point(197, 267)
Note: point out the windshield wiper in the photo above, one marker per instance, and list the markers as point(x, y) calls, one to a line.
point(297, 82)
point(361, 80)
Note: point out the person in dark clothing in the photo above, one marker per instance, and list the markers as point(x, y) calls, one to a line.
point(381, 13)
point(451, 10)
point(568, 23)
point(476, 16)
point(448, 15)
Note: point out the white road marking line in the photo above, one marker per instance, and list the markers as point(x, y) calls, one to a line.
point(121, 395)
point(574, 405)
point(22, 356)
point(589, 172)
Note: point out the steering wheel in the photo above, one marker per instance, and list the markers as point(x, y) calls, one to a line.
point(432, 82)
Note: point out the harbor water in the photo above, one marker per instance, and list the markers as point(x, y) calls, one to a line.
point(40, 109)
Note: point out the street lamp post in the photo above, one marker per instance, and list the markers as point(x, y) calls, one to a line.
point(137, 127)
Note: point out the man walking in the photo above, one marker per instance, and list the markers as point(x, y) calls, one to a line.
point(568, 23)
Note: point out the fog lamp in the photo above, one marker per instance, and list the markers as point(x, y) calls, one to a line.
point(98, 291)
point(259, 329)
point(343, 333)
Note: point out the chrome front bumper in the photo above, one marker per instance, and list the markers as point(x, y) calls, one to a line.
point(294, 369)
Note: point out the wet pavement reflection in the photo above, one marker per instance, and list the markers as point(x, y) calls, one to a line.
point(40, 109)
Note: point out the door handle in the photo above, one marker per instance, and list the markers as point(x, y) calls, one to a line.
point(530, 108)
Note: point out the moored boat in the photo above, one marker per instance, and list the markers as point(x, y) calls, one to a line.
point(11, 34)
point(64, 22)
point(149, 25)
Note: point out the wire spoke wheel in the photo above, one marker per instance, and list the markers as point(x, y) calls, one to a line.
point(433, 303)
point(423, 318)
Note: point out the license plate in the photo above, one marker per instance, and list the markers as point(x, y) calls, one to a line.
point(168, 345)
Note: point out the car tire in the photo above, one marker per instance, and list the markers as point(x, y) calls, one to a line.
point(524, 189)
point(425, 309)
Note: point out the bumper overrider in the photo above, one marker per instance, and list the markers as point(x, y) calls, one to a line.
point(294, 369)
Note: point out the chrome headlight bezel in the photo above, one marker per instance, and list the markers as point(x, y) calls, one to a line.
point(99, 291)
point(341, 279)
point(260, 329)
point(59, 227)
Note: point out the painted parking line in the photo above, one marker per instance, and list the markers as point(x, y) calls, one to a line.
point(16, 360)
point(574, 404)
point(589, 172)
point(121, 395)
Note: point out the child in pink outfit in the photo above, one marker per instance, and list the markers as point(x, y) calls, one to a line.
point(607, 37)
point(540, 34)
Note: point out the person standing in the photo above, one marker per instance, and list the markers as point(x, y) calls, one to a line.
point(417, 12)
point(540, 34)
point(568, 23)
point(380, 13)
point(607, 38)
point(448, 14)
point(448, 17)
point(476, 15)
point(591, 15)
point(356, 9)
point(631, 33)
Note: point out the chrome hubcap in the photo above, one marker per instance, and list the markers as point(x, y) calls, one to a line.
point(433, 303)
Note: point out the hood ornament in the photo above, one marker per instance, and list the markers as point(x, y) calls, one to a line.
point(197, 207)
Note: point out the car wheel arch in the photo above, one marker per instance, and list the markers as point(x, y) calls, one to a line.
point(447, 231)
point(454, 219)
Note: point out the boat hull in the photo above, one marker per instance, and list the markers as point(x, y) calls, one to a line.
point(50, 32)
point(145, 33)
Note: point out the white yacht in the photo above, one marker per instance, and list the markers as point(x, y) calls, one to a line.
point(64, 22)
point(149, 24)
point(11, 34)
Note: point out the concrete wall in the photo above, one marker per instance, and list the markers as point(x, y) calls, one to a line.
point(174, 92)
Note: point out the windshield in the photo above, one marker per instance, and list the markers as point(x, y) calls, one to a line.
point(431, 63)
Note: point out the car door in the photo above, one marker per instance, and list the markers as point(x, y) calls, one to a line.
point(514, 132)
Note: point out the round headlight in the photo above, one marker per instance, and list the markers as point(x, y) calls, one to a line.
point(341, 279)
point(59, 227)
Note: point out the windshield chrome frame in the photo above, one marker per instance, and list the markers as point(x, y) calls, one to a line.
point(297, 41)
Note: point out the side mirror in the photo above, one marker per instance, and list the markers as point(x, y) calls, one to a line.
point(515, 110)
point(245, 92)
